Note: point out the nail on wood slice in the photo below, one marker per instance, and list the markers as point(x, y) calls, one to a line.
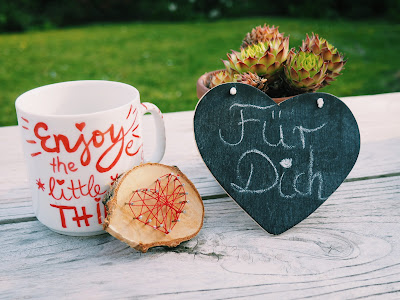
point(153, 205)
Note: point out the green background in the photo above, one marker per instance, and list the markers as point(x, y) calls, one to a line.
point(164, 60)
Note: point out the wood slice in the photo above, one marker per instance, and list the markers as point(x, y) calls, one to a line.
point(153, 205)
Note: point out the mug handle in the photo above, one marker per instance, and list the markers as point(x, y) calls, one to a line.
point(159, 149)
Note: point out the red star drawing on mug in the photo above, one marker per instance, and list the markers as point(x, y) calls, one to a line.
point(40, 184)
point(114, 179)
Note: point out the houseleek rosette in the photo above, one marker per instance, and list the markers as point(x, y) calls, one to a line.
point(329, 53)
point(220, 77)
point(253, 80)
point(226, 76)
point(263, 59)
point(305, 70)
point(261, 35)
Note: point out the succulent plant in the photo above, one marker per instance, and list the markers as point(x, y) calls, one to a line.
point(264, 59)
point(305, 70)
point(266, 62)
point(261, 35)
point(220, 77)
point(329, 53)
point(316, 44)
point(253, 80)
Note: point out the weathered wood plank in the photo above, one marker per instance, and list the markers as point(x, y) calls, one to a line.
point(376, 115)
point(348, 248)
point(377, 156)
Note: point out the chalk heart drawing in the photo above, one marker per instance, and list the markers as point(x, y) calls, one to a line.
point(278, 162)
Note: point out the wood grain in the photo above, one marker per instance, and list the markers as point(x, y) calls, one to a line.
point(347, 244)
point(349, 248)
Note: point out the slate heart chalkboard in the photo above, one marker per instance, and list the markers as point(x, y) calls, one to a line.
point(278, 162)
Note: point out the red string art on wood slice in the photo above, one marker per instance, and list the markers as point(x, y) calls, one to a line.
point(149, 206)
point(160, 204)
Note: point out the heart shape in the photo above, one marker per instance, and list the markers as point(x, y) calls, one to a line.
point(278, 162)
point(160, 204)
point(60, 182)
point(80, 126)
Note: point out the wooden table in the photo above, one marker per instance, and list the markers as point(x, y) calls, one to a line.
point(348, 248)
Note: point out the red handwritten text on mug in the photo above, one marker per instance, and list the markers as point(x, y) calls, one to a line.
point(119, 140)
point(73, 190)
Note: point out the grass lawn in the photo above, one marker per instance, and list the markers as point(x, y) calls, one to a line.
point(164, 60)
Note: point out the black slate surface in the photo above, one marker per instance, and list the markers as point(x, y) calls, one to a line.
point(278, 162)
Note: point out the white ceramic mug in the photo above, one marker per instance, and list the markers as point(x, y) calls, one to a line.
point(78, 137)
